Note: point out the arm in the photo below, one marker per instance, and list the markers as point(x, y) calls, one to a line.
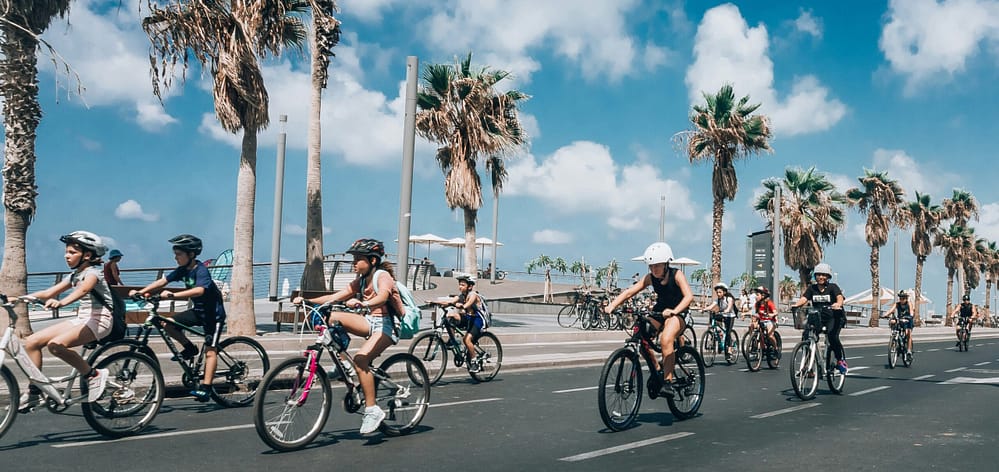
point(627, 294)
point(158, 284)
point(800, 303)
point(470, 301)
point(839, 302)
point(52, 291)
point(890, 312)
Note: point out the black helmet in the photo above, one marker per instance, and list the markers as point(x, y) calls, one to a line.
point(761, 289)
point(87, 240)
point(903, 294)
point(966, 298)
point(187, 242)
point(367, 247)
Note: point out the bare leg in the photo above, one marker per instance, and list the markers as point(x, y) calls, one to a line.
point(671, 329)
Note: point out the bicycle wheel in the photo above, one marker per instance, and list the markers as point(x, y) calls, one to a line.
point(567, 316)
point(689, 337)
point(709, 347)
point(586, 315)
point(834, 377)
point(734, 339)
point(291, 408)
point(403, 391)
point(430, 348)
point(892, 352)
point(773, 359)
point(747, 343)
point(804, 370)
point(9, 398)
point(490, 353)
point(242, 363)
point(619, 393)
point(132, 398)
point(688, 384)
point(122, 345)
point(754, 355)
point(906, 355)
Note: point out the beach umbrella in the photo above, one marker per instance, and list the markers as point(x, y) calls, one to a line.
point(865, 298)
point(482, 243)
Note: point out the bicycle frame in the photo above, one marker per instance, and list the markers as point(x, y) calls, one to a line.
point(457, 334)
point(193, 369)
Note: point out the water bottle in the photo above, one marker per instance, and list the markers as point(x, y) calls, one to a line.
point(325, 337)
point(342, 338)
point(348, 368)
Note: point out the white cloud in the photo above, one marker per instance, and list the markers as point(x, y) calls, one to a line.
point(727, 50)
point(132, 210)
point(842, 182)
point(926, 40)
point(808, 24)
point(988, 223)
point(299, 230)
point(551, 236)
point(582, 177)
point(912, 175)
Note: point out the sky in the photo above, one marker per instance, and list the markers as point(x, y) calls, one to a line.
point(897, 86)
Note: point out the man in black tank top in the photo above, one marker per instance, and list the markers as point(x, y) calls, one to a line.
point(967, 312)
point(901, 313)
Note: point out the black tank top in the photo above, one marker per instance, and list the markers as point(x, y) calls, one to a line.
point(966, 309)
point(902, 310)
point(668, 293)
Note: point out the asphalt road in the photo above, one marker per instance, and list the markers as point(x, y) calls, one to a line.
point(938, 414)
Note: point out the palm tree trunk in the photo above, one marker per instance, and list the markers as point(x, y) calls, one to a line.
point(918, 321)
point(21, 112)
point(804, 274)
point(313, 277)
point(717, 212)
point(471, 265)
point(988, 292)
point(950, 297)
point(875, 286)
point(242, 316)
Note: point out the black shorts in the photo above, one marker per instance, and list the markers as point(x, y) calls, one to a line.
point(212, 328)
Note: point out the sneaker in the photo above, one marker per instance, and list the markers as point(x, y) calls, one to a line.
point(29, 400)
point(187, 354)
point(96, 384)
point(666, 389)
point(373, 417)
point(475, 365)
point(842, 367)
point(201, 393)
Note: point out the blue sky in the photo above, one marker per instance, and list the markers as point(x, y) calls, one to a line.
point(901, 86)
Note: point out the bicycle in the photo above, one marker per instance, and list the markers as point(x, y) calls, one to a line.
point(963, 333)
point(805, 371)
point(434, 350)
point(130, 401)
point(713, 342)
point(583, 310)
point(294, 400)
point(898, 345)
point(241, 365)
point(619, 393)
point(756, 346)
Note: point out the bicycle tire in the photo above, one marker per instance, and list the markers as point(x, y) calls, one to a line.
point(754, 354)
point(906, 355)
point(242, 363)
point(619, 393)
point(804, 371)
point(10, 396)
point(688, 384)
point(122, 345)
point(433, 352)
point(284, 424)
point(567, 316)
point(402, 390)
point(746, 343)
point(586, 317)
point(736, 349)
point(709, 347)
point(689, 336)
point(892, 352)
point(773, 360)
point(132, 398)
point(835, 379)
point(488, 346)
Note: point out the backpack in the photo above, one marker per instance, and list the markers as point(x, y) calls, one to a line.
point(118, 326)
point(487, 316)
point(402, 305)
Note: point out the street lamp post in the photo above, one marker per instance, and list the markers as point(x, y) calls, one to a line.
point(278, 204)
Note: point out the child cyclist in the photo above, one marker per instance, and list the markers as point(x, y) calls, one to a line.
point(765, 313)
point(93, 320)
point(378, 326)
point(468, 316)
point(901, 313)
point(723, 307)
point(673, 297)
point(208, 311)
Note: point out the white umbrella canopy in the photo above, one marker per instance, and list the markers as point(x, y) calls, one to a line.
point(865, 298)
point(923, 299)
point(428, 239)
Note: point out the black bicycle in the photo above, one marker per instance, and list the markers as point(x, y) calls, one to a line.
point(898, 345)
point(963, 333)
point(713, 342)
point(619, 393)
point(756, 346)
point(445, 340)
point(242, 361)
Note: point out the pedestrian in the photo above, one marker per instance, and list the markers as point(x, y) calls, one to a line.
point(112, 275)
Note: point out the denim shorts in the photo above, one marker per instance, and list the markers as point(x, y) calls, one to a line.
point(383, 324)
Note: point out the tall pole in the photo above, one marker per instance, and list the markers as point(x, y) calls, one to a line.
point(895, 275)
point(406, 187)
point(662, 218)
point(776, 241)
point(492, 273)
point(278, 206)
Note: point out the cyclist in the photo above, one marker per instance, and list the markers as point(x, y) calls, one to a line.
point(967, 311)
point(468, 316)
point(901, 313)
point(208, 310)
point(825, 294)
point(93, 320)
point(378, 326)
point(765, 314)
point(724, 306)
point(673, 297)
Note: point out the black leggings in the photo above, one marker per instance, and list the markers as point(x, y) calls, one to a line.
point(729, 321)
point(833, 323)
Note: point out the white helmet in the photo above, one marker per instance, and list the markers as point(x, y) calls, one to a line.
point(468, 278)
point(823, 268)
point(658, 253)
point(720, 285)
point(87, 240)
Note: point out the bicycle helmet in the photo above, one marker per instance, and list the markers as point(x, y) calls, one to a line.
point(658, 253)
point(823, 268)
point(87, 240)
point(966, 298)
point(468, 278)
point(762, 290)
point(720, 285)
point(187, 242)
point(903, 294)
point(114, 253)
point(367, 247)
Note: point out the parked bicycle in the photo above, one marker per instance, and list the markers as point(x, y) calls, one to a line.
point(757, 347)
point(585, 310)
point(294, 400)
point(619, 392)
point(713, 342)
point(435, 346)
point(898, 345)
point(130, 401)
point(242, 361)
point(806, 366)
point(963, 333)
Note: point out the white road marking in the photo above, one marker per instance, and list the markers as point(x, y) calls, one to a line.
point(580, 389)
point(435, 405)
point(870, 390)
point(881, 355)
point(933, 350)
point(970, 380)
point(850, 371)
point(155, 436)
point(923, 377)
point(785, 410)
point(624, 447)
point(955, 370)
point(852, 358)
point(983, 363)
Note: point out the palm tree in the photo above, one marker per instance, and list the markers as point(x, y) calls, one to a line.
point(724, 131)
point(925, 219)
point(881, 199)
point(227, 38)
point(744, 280)
point(954, 242)
point(608, 273)
point(548, 263)
point(961, 207)
point(702, 278)
point(974, 263)
point(991, 274)
point(812, 213)
point(498, 175)
point(461, 111)
point(324, 37)
point(789, 289)
point(21, 24)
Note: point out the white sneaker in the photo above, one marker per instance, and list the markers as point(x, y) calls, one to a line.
point(96, 385)
point(28, 401)
point(373, 417)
